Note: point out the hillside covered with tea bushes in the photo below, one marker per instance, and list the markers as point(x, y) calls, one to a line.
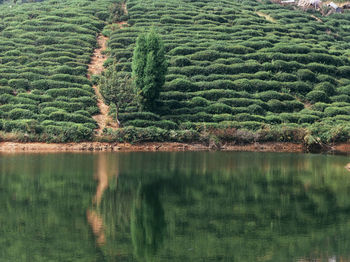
point(45, 49)
point(241, 71)
point(278, 73)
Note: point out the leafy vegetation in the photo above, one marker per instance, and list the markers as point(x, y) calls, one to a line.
point(44, 52)
point(253, 67)
point(230, 68)
point(149, 68)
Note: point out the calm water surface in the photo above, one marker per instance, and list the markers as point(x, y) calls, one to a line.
point(174, 207)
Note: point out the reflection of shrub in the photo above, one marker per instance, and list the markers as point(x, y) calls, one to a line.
point(147, 222)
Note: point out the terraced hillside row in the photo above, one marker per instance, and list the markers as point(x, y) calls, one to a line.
point(44, 52)
point(251, 65)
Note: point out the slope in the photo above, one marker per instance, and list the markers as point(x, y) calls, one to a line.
point(45, 49)
point(287, 76)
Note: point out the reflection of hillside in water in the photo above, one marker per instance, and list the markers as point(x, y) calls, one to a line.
point(239, 206)
point(174, 206)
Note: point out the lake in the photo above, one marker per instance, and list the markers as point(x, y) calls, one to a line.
point(183, 206)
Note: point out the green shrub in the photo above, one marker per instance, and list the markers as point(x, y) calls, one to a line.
point(19, 84)
point(276, 106)
point(317, 96)
point(181, 84)
point(319, 106)
point(308, 119)
point(219, 108)
point(19, 113)
point(340, 98)
point(343, 90)
point(256, 110)
point(306, 75)
point(222, 117)
point(138, 115)
point(180, 61)
point(326, 87)
point(5, 90)
point(344, 71)
point(298, 87)
point(333, 111)
point(199, 101)
point(248, 117)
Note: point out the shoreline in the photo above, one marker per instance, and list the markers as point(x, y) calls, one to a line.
point(16, 147)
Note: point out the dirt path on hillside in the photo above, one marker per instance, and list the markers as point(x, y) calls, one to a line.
point(96, 68)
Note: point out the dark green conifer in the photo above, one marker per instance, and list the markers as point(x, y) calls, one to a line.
point(149, 67)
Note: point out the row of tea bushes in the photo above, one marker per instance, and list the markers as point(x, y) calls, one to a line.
point(228, 64)
point(44, 52)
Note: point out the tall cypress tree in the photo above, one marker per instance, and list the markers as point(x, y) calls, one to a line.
point(149, 67)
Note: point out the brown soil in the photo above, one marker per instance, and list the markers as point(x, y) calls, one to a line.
point(16, 147)
point(11, 147)
point(96, 68)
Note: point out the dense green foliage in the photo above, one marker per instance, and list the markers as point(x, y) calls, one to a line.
point(149, 68)
point(117, 89)
point(44, 52)
point(231, 67)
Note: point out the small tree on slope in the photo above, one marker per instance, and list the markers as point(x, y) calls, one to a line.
point(117, 90)
point(149, 67)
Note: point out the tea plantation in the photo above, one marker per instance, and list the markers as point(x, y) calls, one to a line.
point(240, 71)
point(45, 49)
point(242, 65)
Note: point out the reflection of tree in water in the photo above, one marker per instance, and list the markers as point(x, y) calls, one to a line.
point(147, 222)
point(240, 214)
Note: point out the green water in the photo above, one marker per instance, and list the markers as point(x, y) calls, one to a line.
point(174, 207)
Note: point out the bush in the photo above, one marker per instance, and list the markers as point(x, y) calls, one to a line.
point(199, 101)
point(343, 90)
point(308, 119)
point(180, 61)
point(248, 117)
point(222, 117)
point(326, 87)
point(333, 111)
point(306, 75)
point(276, 106)
point(299, 87)
point(5, 90)
point(317, 96)
point(19, 84)
point(344, 71)
point(181, 84)
point(256, 110)
point(219, 108)
point(19, 113)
